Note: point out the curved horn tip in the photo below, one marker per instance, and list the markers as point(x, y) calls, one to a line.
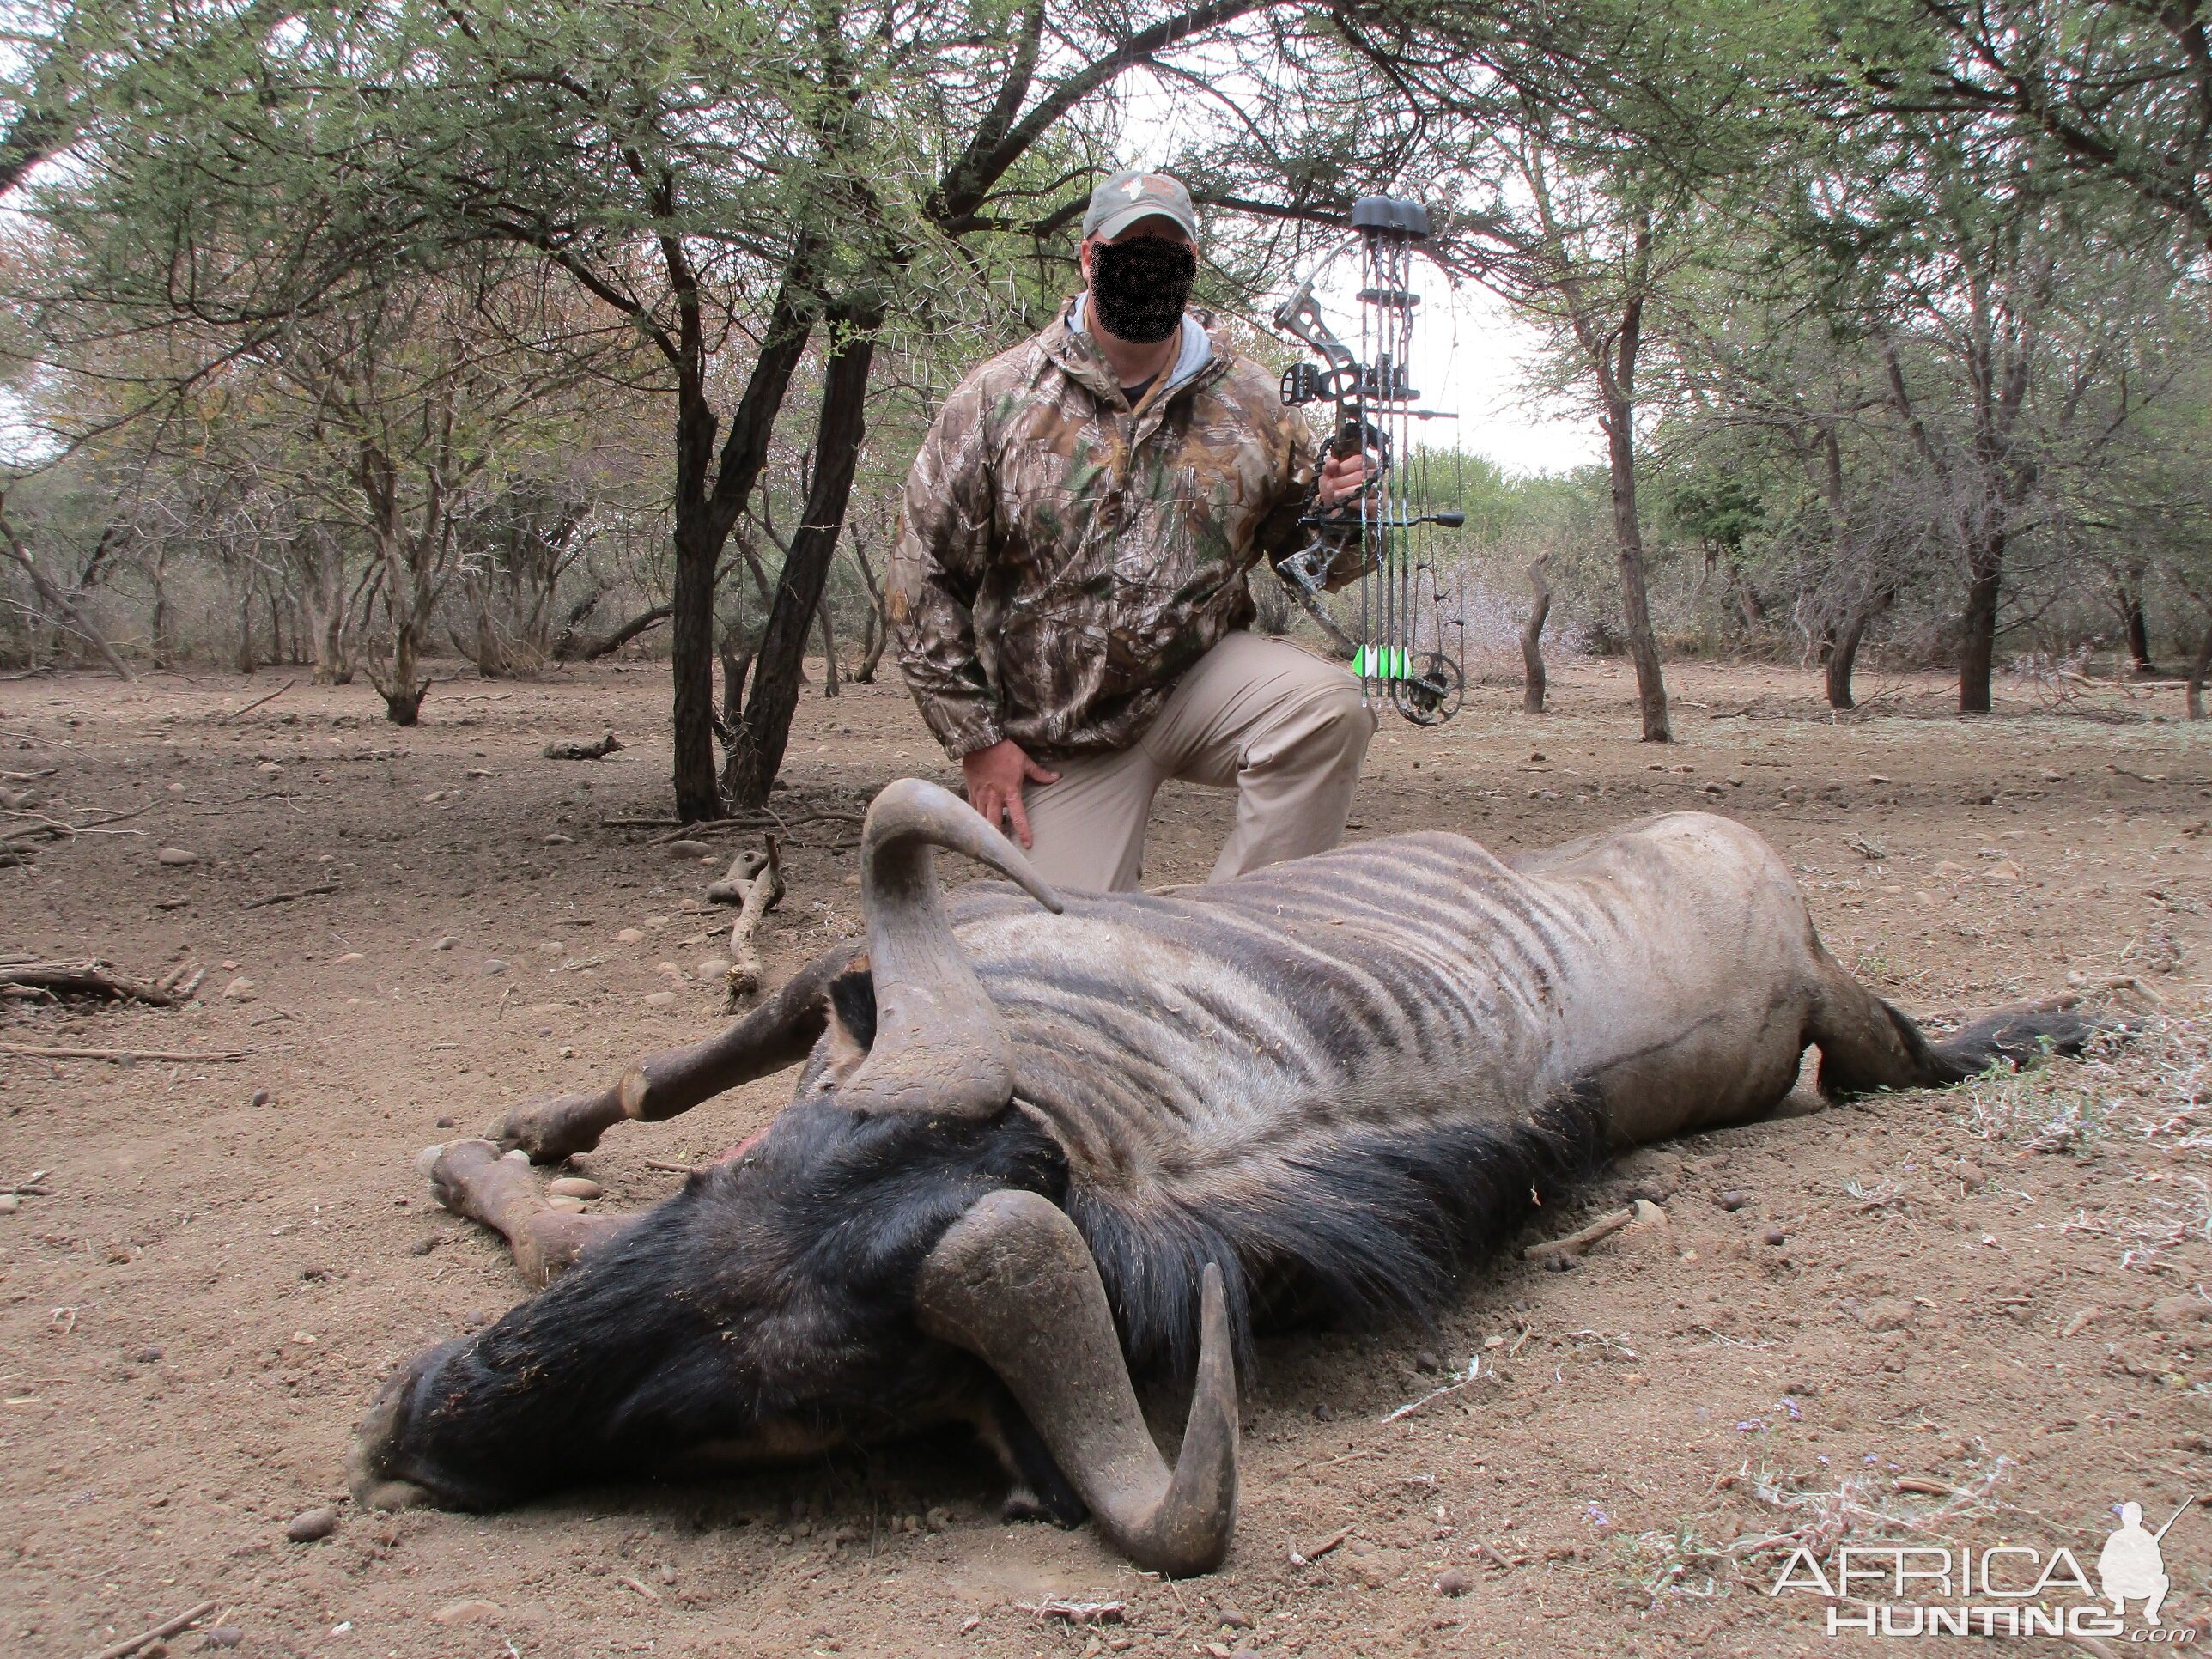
point(916, 806)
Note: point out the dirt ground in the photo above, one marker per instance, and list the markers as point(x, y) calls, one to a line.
point(1979, 1325)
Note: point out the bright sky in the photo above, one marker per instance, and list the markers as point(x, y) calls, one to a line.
point(1472, 354)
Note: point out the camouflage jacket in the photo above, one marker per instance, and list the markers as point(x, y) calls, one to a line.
point(1062, 558)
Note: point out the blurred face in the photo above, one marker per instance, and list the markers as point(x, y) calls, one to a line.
point(1141, 280)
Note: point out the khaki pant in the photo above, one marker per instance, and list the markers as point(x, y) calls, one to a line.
point(1284, 729)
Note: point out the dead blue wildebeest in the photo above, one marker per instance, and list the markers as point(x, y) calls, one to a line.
point(1040, 1145)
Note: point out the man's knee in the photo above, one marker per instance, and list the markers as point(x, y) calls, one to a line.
point(1343, 722)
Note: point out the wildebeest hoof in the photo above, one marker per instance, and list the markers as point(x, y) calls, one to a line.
point(392, 1495)
point(551, 1131)
point(456, 1168)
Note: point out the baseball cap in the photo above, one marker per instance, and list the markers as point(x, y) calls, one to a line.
point(1134, 194)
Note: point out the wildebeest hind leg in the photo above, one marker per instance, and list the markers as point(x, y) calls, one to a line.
point(1866, 1044)
point(472, 1179)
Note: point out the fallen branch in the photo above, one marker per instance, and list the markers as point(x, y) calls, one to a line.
point(286, 898)
point(765, 819)
point(581, 749)
point(670, 1166)
point(61, 601)
point(1076, 1612)
point(1299, 1557)
point(1473, 1375)
point(124, 1056)
point(82, 978)
point(2146, 777)
point(160, 1632)
point(755, 883)
point(1574, 1244)
point(58, 828)
point(257, 702)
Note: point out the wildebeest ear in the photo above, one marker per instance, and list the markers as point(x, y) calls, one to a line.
point(939, 1046)
point(852, 1027)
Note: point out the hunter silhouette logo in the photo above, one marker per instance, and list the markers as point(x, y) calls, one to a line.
point(2006, 1589)
point(2131, 1568)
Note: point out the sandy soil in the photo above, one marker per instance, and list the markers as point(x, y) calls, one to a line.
point(1978, 1326)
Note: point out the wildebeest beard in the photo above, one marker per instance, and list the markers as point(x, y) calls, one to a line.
point(1140, 287)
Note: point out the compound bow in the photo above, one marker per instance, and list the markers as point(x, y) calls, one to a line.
point(1402, 654)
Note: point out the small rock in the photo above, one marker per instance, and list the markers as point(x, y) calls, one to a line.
point(1454, 1581)
point(938, 1519)
point(423, 1247)
point(1324, 1414)
point(1887, 1313)
point(240, 989)
point(710, 970)
point(149, 1355)
point(9, 1204)
point(494, 966)
point(1235, 1617)
point(660, 999)
point(260, 1098)
point(574, 1187)
point(179, 855)
point(1971, 1175)
point(472, 1611)
point(562, 1202)
point(447, 942)
point(683, 852)
point(443, 1123)
point(350, 956)
point(1426, 1361)
point(217, 1637)
point(556, 839)
point(2172, 1311)
point(1732, 1202)
point(308, 1525)
point(1775, 1236)
point(630, 936)
point(551, 947)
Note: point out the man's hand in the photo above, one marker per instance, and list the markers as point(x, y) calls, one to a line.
point(995, 776)
point(1341, 475)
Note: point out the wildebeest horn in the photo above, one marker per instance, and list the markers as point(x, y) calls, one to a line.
point(1013, 1283)
point(940, 1046)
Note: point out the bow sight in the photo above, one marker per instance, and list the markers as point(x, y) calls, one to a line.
point(1408, 652)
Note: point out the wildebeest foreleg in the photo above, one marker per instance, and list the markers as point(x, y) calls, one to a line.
point(775, 1035)
point(472, 1179)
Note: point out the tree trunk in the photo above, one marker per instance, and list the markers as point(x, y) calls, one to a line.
point(756, 744)
point(704, 514)
point(1978, 624)
point(243, 661)
point(1532, 642)
point(401, 691)
point(877, 633)
point(1843, 649)
point(2197, 670)
point(2138, 629)
point(829, 650)
point(607, 645)
point(699, 537)
point(1635, 605)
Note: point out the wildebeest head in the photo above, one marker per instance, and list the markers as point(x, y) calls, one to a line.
point(891, 1253)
